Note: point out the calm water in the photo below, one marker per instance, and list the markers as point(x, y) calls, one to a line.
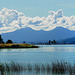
point(43, 54)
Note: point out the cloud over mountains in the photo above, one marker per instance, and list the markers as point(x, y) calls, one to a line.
point(11, 20)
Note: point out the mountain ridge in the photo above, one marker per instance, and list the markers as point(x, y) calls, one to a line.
point(28, 34)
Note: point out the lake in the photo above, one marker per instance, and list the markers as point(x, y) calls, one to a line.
point(44, 54)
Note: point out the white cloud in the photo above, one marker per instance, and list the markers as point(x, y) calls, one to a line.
point(11, 20)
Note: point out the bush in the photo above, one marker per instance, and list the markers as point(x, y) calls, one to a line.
point(9, 41)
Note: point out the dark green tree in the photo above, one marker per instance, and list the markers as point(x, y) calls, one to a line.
point(9, 41)
point(49, 41)
point(54, 42)
point(1, 40)
point(24, 42)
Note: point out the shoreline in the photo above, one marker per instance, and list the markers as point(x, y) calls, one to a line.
point(17, 46)
point(53, 44)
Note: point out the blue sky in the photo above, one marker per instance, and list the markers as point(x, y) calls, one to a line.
point(40, 8)
point(36, 14)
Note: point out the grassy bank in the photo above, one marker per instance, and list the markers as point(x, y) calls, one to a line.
point(17, 46)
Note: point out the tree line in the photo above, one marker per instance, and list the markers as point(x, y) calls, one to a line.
point(8, 41)
point(52, 42)
point(49, 42)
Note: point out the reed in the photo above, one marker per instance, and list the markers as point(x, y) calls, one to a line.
point(54, 67)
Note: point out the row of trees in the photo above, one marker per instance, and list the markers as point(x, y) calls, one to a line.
point(52, 42)
point(45, 43)
point(8, 41)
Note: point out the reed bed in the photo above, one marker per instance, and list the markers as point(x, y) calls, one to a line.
point(54, 67)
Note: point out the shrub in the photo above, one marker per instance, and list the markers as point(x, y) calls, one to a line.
point(9, 41)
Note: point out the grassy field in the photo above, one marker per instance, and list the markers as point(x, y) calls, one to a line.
point(17, 46)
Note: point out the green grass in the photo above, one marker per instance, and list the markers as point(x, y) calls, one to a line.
point(17, 46)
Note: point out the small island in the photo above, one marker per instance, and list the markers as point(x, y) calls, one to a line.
point(13, 45)
point(10, 44)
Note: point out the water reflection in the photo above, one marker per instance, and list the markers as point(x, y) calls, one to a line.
point(34, 73)
point(44, 48)
point(45, 54)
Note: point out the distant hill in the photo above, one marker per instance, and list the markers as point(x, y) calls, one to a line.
point(28, 34)
point(68, 40)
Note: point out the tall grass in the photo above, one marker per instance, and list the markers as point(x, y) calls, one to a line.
point(54, 67)
point(17, 46)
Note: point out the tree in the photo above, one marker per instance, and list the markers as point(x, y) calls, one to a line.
point(1, 40)
point(9, 41)
point(54, 42)
point(24, 42)
point(49, 41)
